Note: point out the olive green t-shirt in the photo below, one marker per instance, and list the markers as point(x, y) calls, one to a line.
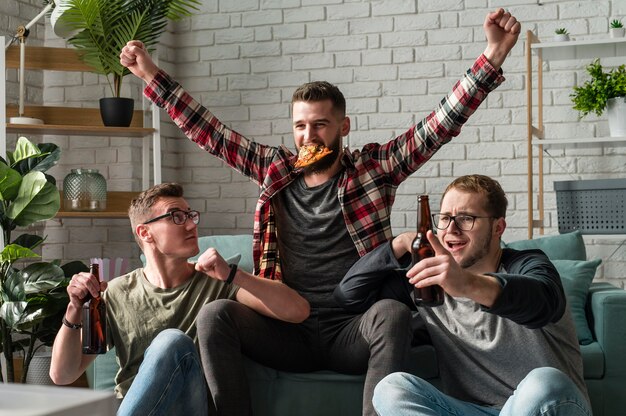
point(137, 311)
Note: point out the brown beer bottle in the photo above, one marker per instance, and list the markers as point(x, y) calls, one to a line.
point(420, 249)
point(94, 321)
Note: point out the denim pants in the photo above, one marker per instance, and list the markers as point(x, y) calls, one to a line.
point(544, 391)
point(170, 380)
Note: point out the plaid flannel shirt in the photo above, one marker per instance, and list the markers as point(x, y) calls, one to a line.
point(368, 183)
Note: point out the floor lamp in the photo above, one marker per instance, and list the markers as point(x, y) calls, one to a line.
point(21, 35)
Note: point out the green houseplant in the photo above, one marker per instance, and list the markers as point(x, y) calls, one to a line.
point(32, 298)
point(103, 27)
point(605, 90)
point(561, 34)
point(616, 28)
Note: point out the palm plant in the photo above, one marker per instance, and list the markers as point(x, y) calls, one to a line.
point(31, 299)
point(103, 27)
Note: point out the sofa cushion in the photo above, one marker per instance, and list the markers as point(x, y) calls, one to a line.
point(570, 246)
point(593, 361)
point(576, 277)
point(233, 248)
point(230, 246)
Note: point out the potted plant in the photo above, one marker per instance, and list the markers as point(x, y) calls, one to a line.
point(103, 27)
point(32, 298)
point(605, 89)
point(616, 28)
point(561, 35)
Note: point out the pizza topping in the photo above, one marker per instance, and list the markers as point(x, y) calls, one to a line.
point(310, 154)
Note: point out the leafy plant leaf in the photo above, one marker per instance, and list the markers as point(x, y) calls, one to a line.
point(14, 252)
point(28, 240)
point(41, 277)
point(11, 313)
point(10, 181)
point(37, 200)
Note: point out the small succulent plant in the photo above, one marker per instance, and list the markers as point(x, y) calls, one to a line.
point(616, 24)
point(561, 31)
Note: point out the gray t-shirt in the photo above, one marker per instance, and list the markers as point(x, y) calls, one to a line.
point(480, 353)
point(315, 248)
point(137, 311)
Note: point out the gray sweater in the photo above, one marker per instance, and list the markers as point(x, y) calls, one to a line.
point(484, 353)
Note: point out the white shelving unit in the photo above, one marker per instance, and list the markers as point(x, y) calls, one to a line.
point(83, 122)
point(549, 51)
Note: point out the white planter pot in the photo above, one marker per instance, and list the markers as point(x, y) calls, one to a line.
point(616, 32)
point(616, 109)
point(561, 37)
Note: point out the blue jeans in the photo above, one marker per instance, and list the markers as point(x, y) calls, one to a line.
point(170, 380)
point(544, 391)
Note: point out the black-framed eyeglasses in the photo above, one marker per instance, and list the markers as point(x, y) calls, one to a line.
point(463, 222)
point(179, 217)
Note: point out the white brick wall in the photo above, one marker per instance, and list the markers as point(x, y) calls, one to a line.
point(393, 59)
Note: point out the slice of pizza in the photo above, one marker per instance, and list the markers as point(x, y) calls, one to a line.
point(310, 154)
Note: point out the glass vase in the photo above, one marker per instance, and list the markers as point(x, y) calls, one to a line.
point(84, 190)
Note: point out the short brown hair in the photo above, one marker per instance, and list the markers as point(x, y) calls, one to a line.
point(481, 184)
point(320, 91)
point(141, 206)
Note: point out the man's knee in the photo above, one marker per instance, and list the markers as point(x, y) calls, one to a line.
point(215, 313)
point(394, 388)
point(168, 343)
point(546, 382)
point(547, 390)
point(389, 315)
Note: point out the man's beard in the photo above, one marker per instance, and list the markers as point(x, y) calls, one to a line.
point(326, 162)
point(479, 255)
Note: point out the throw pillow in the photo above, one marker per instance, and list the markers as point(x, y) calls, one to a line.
point(570, 246)
point(576, 277)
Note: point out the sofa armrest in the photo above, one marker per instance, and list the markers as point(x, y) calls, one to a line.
point(607, 305)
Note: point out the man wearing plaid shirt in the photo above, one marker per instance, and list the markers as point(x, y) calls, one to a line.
point(311, 224)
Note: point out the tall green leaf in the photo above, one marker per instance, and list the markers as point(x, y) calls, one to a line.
point(10, 181)
point(14, 252)
point(37, 200)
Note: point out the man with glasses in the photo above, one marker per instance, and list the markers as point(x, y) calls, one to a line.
point(151, 311)
point(504, 337)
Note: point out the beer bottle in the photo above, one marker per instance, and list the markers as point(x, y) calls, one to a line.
point(421, 249)
point(94, 320)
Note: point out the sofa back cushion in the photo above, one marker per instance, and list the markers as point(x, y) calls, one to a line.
point(568, 254)
point(229, 247)
point(233, 248)
point(570, 246)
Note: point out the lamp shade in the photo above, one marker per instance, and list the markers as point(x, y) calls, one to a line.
point(59, 27)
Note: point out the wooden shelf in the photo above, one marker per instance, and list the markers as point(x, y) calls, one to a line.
point(74, 121)
point(579, 140)
point(45, 57)
point(80, 122)
point(117, 207)
point(581, 49)
point(79, 130)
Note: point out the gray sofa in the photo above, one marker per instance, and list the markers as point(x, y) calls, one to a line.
point(324, 393)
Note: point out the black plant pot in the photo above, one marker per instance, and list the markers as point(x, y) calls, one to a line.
point(116, 111)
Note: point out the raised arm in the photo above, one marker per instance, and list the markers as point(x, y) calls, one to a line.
point(135, 57)
point(502, 30)
point(68, 361)
point(268, 297)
